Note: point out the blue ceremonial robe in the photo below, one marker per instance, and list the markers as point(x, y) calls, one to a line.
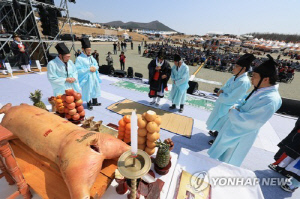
point(88, 81)
point(57, 75)
point(233, 91)
point(181, 78)
point(241, 127)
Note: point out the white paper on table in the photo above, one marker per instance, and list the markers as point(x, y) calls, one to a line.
point(111, 190)
point(193, 162)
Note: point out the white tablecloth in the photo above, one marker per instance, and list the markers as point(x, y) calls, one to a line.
point(193, 162)
point(111, 190)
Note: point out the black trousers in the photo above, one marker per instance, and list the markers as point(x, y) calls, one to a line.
point(122, 65)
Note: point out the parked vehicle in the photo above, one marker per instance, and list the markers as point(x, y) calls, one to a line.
point(102, 38)
point(94, 39)
point(113, 39)
point(128, 39)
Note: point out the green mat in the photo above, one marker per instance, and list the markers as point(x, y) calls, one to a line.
point(190, 100)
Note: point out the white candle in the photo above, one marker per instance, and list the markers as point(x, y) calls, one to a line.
point(134, 129)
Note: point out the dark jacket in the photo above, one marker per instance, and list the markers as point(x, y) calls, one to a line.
point(21, 57)
point(291, 144)
point(165, 70)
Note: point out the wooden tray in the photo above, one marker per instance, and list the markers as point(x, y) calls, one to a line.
point(44, 177)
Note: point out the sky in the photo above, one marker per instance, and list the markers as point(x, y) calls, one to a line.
point(197, 16)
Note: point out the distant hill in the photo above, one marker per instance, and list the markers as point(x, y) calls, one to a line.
point(154, 25)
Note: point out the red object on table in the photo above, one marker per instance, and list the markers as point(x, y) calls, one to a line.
point(122, 186)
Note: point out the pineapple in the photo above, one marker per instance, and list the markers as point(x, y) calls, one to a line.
point(163, 154)
point(36, 98)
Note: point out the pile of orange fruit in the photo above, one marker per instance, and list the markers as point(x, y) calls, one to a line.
point(148, 130)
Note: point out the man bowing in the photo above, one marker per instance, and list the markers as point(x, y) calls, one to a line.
point(180, 78)
point(61, 72)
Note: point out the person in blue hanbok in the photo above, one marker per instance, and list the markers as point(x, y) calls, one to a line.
point(233, 91)
point(244, 120)
point(61, 72)
point(180, 78)
point(88, 75)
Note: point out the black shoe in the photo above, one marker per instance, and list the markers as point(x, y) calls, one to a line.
point(173, 106)
point(181, 108)
point(279, 169)
point(210, 142)
point(211, 133)
point(287, 188)
point(272, 167)
point(95, 102)
point(285, 173)
point(151, 103)
point(89, 106)
point(215, 133)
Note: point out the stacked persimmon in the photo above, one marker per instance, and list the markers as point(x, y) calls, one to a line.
point(148, 130)
point(72, 102)
point(124, 130)
point(59, 104)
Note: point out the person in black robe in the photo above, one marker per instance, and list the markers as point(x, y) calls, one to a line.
point(159, 75)
point(287, 159)
point(289, 148)
point(21, 53)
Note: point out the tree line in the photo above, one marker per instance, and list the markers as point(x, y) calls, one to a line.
point(275, 36)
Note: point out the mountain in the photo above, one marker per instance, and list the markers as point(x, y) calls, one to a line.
point(154, 25)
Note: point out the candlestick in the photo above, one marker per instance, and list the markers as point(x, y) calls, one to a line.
point(134, 129)
point(134, 171)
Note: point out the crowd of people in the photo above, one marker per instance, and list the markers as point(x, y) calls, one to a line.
point(219, 61)
point(225, 63)
point(189, 55)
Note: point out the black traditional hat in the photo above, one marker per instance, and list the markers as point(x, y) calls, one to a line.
point(15, 35)
point(267, 68)
point(246, 60)
point(62, 49)
point(85, 43)
point(177, 57)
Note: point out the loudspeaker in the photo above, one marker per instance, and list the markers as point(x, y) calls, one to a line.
point(120, 73)
point(193, 86)
point(138, 75)
point(130, 72)
point(106, 69)
point(290, 107)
